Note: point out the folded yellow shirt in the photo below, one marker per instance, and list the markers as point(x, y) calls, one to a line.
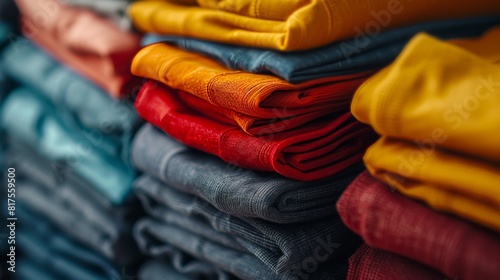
point(465, 186)
point(441, 93)
point(294, 24)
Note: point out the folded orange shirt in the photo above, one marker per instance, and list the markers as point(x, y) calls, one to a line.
point(92, 46)
point(260, 104)
point(312, 152)
point(294, 24)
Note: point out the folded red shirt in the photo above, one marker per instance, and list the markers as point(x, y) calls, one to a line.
point(317, 150)
point(373, 264)
point(87, 43)
point(389, 221)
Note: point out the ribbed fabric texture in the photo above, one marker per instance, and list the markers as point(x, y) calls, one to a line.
point(444, 154)
point(340, 58)
point(374, 264)
point(313, 152)
point(298, 25)
point(231, 189)
point(389, 221)
point(260, 104)
point(91, 45)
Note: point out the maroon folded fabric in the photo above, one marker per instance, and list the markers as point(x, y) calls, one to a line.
point(389, 221)
point(372, 264)
point(313, 151)
point(91, 45)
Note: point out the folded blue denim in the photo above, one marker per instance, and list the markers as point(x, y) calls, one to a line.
point(190, 269)
point(352, 56)
point(26, 115)
point(233, 190)
point(54, 252)
point(158, 238)
point(108, 123)
point(278, 246)
point(115, 10)
point(76, 217)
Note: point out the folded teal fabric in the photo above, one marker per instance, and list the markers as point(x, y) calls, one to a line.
point(106, 122)
point(351, 56)
point(26, 115)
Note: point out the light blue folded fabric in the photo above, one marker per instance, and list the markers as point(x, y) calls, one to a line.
point(106, 122)
point(352, 56)
point(26, 115)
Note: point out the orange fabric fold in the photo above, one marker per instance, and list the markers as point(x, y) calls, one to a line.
point(258, 103)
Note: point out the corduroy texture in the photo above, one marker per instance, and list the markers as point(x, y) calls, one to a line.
point(319, 150)
point(91, 45)
point(452, 163)
point(298, 25)
point(373, 264)
point(231, 189)
point(260, 104)
point(460, 79)
point(340, 58)
point(389, 221)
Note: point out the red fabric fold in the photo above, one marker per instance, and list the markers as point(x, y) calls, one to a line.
point(317, 150)
point(372, 264)
point(89, 44)
point(389, 221)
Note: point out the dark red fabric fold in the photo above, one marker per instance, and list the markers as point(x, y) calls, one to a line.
point(317, 150)
point(389, 221)
point(372, 264)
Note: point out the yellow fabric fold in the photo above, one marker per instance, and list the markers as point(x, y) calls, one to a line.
point(439, 90)
point(437, 109)
point(295, 24)
point(464, 186)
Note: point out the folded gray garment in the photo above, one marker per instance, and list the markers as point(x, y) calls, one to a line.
point(233, 190)
point(183, 268)
point(279, 246)
point(55, 253)
point(74, 206)
point(114, 10)
point(158, 239)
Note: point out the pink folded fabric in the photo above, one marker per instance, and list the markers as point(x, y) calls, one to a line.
point(389, 221)
point(91, 45)
point(372, 264)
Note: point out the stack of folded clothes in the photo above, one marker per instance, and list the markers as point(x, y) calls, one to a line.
point(69, 142)
point(260, 88)
point(436, 109)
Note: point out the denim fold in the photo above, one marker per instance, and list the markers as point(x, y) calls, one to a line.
point(191, 269)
